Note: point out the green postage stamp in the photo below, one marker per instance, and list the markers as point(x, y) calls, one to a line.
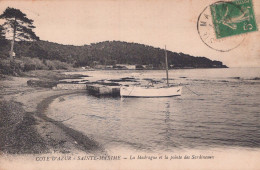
point(233, 18)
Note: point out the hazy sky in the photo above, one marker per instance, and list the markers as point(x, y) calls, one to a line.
point(156, 23)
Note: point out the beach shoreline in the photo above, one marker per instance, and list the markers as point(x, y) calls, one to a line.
point(24, 106)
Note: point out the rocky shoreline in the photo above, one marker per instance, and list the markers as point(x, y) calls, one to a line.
point(25, 129)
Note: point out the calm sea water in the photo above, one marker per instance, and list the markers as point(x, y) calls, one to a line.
point(224, 112)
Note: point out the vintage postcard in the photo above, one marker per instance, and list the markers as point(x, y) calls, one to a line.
point(130, 84)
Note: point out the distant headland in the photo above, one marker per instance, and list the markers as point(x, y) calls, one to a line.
point(33, 55)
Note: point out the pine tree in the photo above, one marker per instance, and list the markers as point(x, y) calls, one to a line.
point(19, 26)
point(3, 41)
point(2, 33)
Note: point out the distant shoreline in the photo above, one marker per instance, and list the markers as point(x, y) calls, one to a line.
point(108, 54)
point(151, 69)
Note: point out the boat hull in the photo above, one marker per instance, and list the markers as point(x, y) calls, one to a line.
point(150, 92)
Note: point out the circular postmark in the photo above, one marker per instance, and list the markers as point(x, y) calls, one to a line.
point(207, 33)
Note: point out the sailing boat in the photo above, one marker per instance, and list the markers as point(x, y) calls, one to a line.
point(166, 91)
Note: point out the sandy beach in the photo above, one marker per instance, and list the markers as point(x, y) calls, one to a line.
point(24, 127)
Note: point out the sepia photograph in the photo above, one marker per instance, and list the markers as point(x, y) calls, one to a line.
point(129, 84)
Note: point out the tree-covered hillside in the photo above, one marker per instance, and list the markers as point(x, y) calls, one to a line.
point(108, 53)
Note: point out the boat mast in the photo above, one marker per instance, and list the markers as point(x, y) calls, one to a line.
point(166, 66)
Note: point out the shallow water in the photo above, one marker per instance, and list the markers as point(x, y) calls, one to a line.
point(218, 108)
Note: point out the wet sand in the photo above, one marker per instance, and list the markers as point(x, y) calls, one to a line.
point(23, 107)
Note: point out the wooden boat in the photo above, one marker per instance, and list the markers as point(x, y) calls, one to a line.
point(150, 91)
point(136, 91)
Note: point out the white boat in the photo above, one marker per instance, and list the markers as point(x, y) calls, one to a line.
point(150, 91)
point(135, 91)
